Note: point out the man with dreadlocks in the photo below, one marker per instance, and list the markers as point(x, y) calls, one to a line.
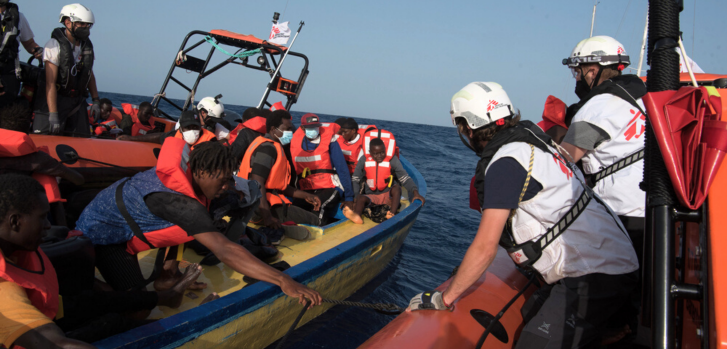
point(168, 206)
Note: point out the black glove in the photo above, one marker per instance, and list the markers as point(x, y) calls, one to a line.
point(432, 300)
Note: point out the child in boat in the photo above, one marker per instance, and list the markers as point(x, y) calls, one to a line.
point(380, 188)
point(29, 287)
point(537, 207)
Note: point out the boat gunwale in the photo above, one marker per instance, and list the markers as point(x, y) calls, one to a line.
point(180, 328)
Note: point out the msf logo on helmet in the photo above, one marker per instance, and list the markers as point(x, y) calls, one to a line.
point(491, 105)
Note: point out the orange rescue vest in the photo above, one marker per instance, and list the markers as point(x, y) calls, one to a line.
point(378, 174)
point(204, 137)
point(105, 126)
point(351, 151)
point(137, 128)
point(387, 137)
point(34, 272)
point(256, 124)
point(314, 167)
point(13, 144)
point(277, 106)
point(279, 177)
point(174, 173)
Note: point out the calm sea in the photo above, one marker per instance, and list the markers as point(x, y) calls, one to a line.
point(437, 241)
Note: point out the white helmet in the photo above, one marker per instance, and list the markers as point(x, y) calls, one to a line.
point(602, 49)
point(481, 103)
point(77, 13)
point(212, 106)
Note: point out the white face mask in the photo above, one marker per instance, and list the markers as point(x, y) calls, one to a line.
point(191, 136)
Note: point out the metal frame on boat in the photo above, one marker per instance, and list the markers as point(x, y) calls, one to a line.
point(244, 43)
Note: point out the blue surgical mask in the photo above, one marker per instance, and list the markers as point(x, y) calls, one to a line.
point(286, 138)
point(311, 133)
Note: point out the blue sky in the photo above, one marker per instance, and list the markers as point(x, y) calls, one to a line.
point(394, 60)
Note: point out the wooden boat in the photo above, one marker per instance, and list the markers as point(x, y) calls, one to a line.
point(338, 259)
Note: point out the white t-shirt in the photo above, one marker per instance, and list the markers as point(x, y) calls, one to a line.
point(52, 50)
point(221, 132)
point(25, 33)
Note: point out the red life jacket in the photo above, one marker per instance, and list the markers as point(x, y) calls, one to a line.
point(105, 126)
point(331, 125)
point(203, 137)
point(351, 151)
point(137, 128)
point(174, 172)
point(279, 177)
point(313, 167)
point(387, 137)
point(277, 106)
point(378, 174)
point(34, 272)
point(13, 144)
point(256, 124)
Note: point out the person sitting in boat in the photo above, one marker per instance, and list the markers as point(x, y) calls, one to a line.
point(321, 167)
point(68, 57)
point(266, 163)
point(167, 206)
point(210, 112)
point(379, 171)
point(351, 142)
point(251, 127)
point(30, 312)
point(554, 123)
point(137, 120)
point(535, 204)
point(19, 154)
point(607, 129)
point(106, 124)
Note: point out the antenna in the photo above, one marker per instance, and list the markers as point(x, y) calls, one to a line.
point(593, 18)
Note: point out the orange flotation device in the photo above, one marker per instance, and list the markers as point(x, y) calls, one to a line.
point(34, 272)
point(137, 128)
point(14, 144)
point(256, 124)
point(203, 137)
point(314, 167)
point(279, 177)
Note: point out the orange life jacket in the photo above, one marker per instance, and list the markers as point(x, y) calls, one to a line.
point(174, 173)
point(277, 106)
point(34, 272)
point(387, 137)
point(203, 137)
point(13, 144)
point(314, 167)
point(279, 177)
point(138, 128)
point(105, 126)
point(256, 124)
point(351, 151)
point(378, 174)
point(331, 125)
point(115, 115)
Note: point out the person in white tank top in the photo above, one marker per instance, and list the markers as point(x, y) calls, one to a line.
point(590, 266)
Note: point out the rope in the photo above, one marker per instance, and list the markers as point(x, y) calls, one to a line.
point(295, 323)
point(244, 54)
point(502, 312)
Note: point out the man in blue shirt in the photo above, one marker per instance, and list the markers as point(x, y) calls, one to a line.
point(320, 167)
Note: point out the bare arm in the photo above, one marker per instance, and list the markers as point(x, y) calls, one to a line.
point(29, 46)
point(480, 254)
point(49, 336)
point(243, 262)
point(51, 73)
point(575, 153)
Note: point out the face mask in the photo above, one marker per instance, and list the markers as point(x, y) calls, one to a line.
point(286, 138)
point(311, 133)
point(191, 136)
point(582, 88)
point(82, 33)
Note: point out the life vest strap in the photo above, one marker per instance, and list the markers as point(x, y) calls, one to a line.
point(593, 178)
point(125, 213)
point(307, 172)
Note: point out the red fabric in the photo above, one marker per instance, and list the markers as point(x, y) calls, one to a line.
point(170, 236)
point(137, 128)
point(37, 277)
point(691, 137)
point(14, 143)
point(316, 180)
point(256, 124)
point(277, 106)
point(474, 201)
point(380, 199)
point(173, 168)
point(553, 113)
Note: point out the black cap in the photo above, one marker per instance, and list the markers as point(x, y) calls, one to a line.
point(189, 118)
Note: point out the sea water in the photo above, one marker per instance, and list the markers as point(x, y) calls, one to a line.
point(435, 245)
